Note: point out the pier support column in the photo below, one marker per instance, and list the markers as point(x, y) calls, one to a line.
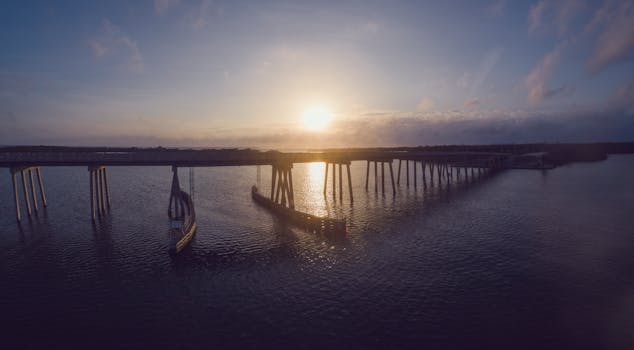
point(341, 163)
point(376, 177)
point(100, 194)
point(422, 169)
point(33, 195)
point(398, 176)
point(415, 177)
point(340, 183)
point(326, 179)
point(105, 184)
point(26, 192)
point(367, 174)
point(349, 182)
point(16, 198)
point(42, 192)
point(282, 185)
point(92, 195)
point(407, 171)
point(392, 176)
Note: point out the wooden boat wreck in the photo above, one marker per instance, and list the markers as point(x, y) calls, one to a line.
point(304, 220)
point(182, 217)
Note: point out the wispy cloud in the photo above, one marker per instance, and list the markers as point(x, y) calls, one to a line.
point(615, 42)
point(547, 14)
point(204, 13)
point(472, 102)
point(162, 7)
point(112, 41)
point(537, 78)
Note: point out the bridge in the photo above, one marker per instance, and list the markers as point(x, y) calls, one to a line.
point(434, 165)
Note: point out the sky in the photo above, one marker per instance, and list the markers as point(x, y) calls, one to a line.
point(206, 73)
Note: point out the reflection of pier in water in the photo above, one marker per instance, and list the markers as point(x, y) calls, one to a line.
point(386, 170)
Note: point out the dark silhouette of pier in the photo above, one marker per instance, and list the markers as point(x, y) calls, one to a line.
point(436, 163)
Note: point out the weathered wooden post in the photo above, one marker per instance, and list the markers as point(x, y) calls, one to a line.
point(398, 176)
point(392, 176)
point(15, 196)
point(376, 177)
point(105, 182)
point(415, 176)
point(92, 194)
point(340, 182)
point(382, 177)
point(350, 182)
point(326, 180)
point(274, 173)
point(334, 181)
point(33, 195)
point(26, 192)
point(407, 171)
point(42, 193)
point(367, 174)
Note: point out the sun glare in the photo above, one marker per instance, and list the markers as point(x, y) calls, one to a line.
point(316, 118)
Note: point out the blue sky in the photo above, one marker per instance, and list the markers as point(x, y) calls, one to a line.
point(243, 73)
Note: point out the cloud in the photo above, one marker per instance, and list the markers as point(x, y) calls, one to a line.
point(98, 48)
point(161, 7)
point(425, 104)
point(206, 11)
point(536, 79)
point(496, 8)
point(472, 102)
point(616, 41)
point(113, 40)
point(547, 14)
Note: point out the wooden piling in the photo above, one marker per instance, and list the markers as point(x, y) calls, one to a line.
point(15, 197)
point(340, 183)
point(392, 176)
point(326, 180)
point(367, 174)
point(92, 197)
point(407, 171)
point(291, 193)
point(273, 174)
point(105, 183)
point(101, 190)
point(26, 193)
point(33, 195)
point(334, 181)
point(42, 193)
point(398, 176)
point(98, 199)
point(382, 177)
point(376, 177)
point(422, 168)
point(350, 182)
point(415, 177)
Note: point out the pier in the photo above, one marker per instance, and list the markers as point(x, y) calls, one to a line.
point(417, 166)
point(435, 164)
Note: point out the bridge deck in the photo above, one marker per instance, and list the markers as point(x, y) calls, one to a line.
point(209, 158)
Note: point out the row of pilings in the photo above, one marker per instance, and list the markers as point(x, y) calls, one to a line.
point(99, 192)
point(27, 173)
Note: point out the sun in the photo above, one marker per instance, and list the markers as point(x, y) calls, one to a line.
point(316, 118)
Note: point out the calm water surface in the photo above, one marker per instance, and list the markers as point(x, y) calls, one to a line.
point(522, 259)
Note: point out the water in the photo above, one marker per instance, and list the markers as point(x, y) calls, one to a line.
point(523, 259)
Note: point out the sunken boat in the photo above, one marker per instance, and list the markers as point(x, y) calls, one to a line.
point(304, 220)
point(182, 217)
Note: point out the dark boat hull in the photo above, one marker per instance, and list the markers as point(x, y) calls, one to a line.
point(304, 220)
